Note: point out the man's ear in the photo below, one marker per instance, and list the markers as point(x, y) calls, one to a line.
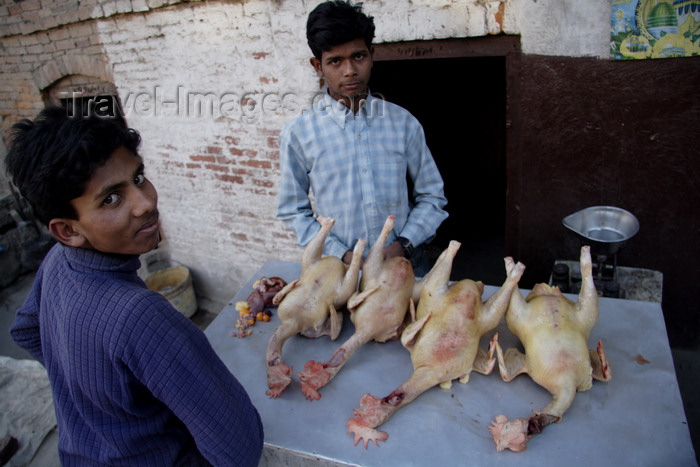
point(316, 63)
point(63, 231)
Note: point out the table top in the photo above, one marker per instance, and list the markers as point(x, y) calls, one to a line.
point(637, 418)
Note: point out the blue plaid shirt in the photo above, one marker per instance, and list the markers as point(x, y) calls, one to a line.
point(356, 166)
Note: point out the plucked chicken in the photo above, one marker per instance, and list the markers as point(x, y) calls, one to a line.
point(377, 311)
point(443, 341)
point(309, 305)
point(554, 332)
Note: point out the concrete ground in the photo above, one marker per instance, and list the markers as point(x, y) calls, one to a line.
point(686, 361)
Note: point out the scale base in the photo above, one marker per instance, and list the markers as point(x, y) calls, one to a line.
point(634, 283)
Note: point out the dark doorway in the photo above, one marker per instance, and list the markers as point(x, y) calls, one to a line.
point(461, 103)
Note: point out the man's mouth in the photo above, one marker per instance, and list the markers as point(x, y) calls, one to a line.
point(150, 227)
point(353, 86)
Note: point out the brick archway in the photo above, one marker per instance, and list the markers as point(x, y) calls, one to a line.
point(50, 73)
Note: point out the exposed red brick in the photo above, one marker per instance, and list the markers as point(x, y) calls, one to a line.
point(203, 158)
point(213, 150)
point(263, 183)
point(217, 168)
point(500, 14)
point(268, 131)
point(230, 178)
point(260, 55)
point(248, 100)
point(257, 164)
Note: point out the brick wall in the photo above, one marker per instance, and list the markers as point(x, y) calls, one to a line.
point(210, 85)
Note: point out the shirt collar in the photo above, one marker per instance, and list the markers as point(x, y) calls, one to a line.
point(339, 112)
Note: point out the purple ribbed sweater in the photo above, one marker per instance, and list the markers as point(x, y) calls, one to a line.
point(134, 381)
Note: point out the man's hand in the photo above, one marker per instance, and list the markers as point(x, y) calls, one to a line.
point(394, 249)
point(347, 257)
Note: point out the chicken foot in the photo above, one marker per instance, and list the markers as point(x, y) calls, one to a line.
point(374, 411)
point(278, 373)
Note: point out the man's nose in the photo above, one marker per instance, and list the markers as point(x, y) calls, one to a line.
point(349, 68)
point(144, 202)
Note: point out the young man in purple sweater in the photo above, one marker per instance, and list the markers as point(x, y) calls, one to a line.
point(135, 383)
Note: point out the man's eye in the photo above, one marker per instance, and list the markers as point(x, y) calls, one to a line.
point(139, 179)
point(111, 199)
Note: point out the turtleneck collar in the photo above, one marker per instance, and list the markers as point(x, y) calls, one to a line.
point(82, 259)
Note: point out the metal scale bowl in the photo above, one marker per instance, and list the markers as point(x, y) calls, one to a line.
point(605, 228)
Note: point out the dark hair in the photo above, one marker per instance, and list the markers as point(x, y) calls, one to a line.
point(52, 158)
point(336, 22)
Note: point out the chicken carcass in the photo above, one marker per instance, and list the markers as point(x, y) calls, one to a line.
point(443, 341)
point(554, 332)
point(309, 304)
point(377, 311)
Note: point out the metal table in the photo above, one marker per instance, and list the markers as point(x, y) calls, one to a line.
point(635, 419)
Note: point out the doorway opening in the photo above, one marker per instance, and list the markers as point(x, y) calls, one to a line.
point(461, 103)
